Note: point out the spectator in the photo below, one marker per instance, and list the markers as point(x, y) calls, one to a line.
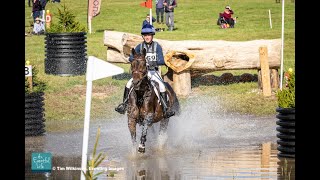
point(159, 11)
point(169, 6)
point(36, 9)
point(227, 16)
point(38, 27)
point(147, 20)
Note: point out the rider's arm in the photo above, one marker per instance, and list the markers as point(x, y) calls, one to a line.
point(174, 4)
point(160, 56)
point(137, 49)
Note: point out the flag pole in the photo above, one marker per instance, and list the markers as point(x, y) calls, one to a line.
point(282, 44)
point(150, 16)
point(270, 19)
point(89, 77)
point(150, 11)
point(89, 18)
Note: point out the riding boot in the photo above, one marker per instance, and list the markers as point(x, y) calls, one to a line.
point(166, 112)
point(123, 106)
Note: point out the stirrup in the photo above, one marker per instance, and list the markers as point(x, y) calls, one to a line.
point(169, 114)
point(121, 108)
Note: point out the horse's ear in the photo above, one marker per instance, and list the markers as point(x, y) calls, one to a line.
point(144, 52)
point(133, 51)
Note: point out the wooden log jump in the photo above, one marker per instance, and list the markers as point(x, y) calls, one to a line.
point(188, 57)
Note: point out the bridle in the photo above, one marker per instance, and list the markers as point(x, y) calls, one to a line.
point(144, 73)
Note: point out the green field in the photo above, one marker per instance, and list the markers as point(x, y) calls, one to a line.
point(194, 20)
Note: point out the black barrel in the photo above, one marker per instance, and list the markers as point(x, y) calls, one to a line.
point(34, 114)
point(66, 53)
point(286, 132)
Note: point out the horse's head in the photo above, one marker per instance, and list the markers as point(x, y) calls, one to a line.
point(138, 68)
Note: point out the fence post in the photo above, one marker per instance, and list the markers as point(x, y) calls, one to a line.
point(265, 71)
point(182, 83)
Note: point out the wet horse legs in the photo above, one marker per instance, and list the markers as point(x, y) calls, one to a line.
point(146, 122)
point(132, 128)
point(143, 139)
point(163, 126)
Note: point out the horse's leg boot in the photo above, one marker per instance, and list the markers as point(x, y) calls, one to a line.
point(141, 148)
point(123, 106)
point(166, 112)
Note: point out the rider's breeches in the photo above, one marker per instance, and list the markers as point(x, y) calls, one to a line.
point(152, 75)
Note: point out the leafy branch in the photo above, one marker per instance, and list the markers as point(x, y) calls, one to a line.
point(37, 84)
point(286, 96)
point(66, 22)
point(95, 161)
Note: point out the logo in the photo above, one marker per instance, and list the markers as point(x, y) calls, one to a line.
point(41, 162)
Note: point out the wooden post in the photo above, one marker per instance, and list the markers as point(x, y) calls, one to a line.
point(274, 75)
point(30, 82)
point(265, 72)
point(265, 154)
point(168, 77)
point(265, 157)
point(182, 83)
point(274, 79)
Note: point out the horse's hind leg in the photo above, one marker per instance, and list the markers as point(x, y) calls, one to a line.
point(163, 126)
point(162, 138)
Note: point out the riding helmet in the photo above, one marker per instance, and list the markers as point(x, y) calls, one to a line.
point(148, 29)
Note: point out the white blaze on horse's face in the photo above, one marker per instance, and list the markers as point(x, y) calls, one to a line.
point(147, 38)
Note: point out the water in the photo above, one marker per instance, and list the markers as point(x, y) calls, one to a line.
point(204, 142)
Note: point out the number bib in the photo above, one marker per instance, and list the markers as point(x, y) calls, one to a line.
point(151, 57)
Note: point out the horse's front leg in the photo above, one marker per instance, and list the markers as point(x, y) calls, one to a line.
point(132, 128)
point(133, 115)
point(146, 123)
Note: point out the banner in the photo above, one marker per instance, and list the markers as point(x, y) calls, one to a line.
point(147, 4)
point(94, 8)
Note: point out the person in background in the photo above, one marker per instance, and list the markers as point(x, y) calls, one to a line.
point(147, 20)
point(227, 15)
point(38, 27)
point(169, 6)
point(36, 9)
point(159, 11)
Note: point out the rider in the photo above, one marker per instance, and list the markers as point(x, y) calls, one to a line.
point(154, 51)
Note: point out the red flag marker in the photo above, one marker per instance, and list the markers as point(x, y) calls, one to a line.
point(147, 4)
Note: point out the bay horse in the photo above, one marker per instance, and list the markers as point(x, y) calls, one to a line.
point(143, 103)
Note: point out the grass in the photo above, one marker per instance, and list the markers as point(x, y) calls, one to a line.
point(285, 171)
point(194, 20)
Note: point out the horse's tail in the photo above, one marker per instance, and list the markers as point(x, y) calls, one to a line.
point(175, 105)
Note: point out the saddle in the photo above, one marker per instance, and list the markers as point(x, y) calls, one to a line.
point(156, 89)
